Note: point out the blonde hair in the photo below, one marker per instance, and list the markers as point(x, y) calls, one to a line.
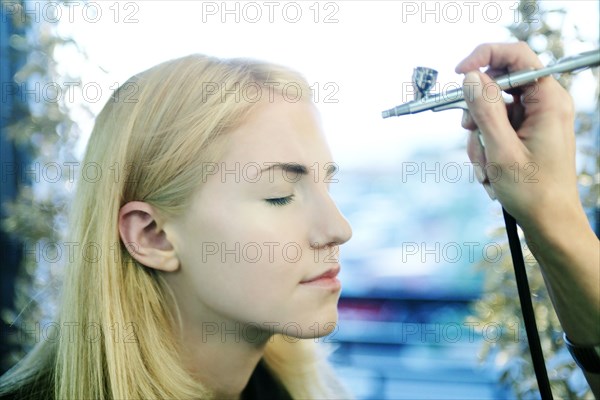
point(151, 143)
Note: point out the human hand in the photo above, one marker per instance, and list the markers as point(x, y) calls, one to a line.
point(528, 161)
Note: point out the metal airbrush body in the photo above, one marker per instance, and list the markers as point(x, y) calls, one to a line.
point(424, 79)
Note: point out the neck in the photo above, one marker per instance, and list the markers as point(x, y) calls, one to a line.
point(218, 352)
point(221, 356)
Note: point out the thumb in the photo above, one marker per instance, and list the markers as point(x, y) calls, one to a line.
point(488, 110)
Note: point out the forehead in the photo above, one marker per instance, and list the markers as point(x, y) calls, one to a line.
point(279, 131)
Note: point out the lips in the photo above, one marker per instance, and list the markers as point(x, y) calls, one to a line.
point(329, 274)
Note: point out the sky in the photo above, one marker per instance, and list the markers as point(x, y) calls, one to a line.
point(358, 55)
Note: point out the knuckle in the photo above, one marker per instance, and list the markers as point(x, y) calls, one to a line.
point(522, 45)
point(483, 47)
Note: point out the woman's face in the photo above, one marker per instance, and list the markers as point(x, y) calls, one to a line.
point(262, 224)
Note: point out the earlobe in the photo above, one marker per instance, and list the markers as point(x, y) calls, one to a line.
point(144, 238)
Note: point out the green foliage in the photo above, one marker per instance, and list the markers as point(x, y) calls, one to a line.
point(500, 301)
point(47, 133)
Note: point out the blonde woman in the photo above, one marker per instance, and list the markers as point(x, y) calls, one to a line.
point(224, 269)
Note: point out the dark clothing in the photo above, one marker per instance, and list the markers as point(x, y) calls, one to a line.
point(262, 385)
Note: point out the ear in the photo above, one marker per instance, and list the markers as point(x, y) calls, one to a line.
point(145, 240)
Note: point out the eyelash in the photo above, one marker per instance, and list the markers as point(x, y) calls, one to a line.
point(280, 201)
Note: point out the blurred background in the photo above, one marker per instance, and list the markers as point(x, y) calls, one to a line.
point(429, 306)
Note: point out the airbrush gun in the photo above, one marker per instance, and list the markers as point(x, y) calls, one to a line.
point(424, 79)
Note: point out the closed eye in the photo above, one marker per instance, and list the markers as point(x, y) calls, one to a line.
point(280, 201)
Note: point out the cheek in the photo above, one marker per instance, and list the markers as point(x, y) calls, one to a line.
point(255, 235)
point(244, 290)
point(245, 258)
point(248, 256)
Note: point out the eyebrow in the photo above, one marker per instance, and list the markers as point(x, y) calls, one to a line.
point(300, 169)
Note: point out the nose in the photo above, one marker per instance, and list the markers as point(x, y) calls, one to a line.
point(329, 226)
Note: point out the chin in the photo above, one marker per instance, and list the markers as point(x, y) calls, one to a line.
point(314, 331)
point(319, 325)
point(329, 327)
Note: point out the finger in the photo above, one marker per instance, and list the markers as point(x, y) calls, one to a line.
point(545, 101)
point(516, 57)
point(494, 73)
point(490, 191)
point(500, 56)
point(476, 154)
point(488, 110)
point(467, 122)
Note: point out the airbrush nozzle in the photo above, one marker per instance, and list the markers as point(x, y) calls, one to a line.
point(397, 111)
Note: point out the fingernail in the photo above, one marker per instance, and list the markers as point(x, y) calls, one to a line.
point(479, 175)
point(490, 191)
